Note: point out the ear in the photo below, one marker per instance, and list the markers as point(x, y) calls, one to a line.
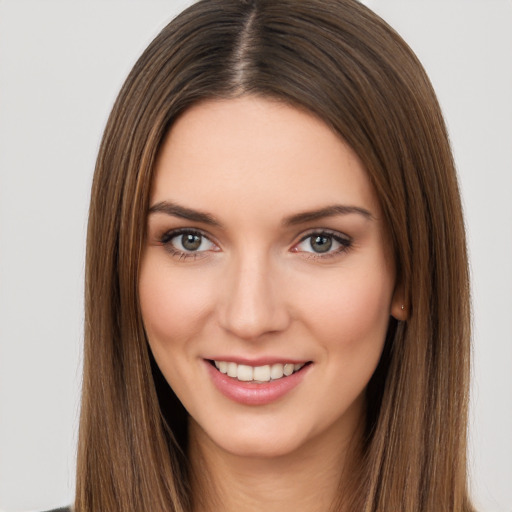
point(399, 309)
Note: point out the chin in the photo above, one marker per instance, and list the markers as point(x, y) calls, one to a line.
point(261, 441)
point(261, 448)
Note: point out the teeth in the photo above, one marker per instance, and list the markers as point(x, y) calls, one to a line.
point(245, 372)
point(265, 373)
point(232, 370)
point(276, 372)
point(262, 373)
point(288, 369)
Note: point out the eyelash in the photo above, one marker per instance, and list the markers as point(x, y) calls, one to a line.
point(165, 240)
point(344, 244)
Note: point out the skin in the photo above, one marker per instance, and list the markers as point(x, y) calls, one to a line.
point(257, 288)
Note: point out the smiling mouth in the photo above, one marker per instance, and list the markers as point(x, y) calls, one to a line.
point(258, 374)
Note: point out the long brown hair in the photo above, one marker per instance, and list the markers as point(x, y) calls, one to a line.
point(341, 62)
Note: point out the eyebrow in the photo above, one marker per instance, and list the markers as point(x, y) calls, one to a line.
point(182, 212)
point(328, 211)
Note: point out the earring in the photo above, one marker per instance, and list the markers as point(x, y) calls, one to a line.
point(403, 307)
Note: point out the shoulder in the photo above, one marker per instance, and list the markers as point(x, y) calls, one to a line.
point(62, 509)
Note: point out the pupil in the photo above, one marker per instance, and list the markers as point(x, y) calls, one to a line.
point(191, 242)
point(321, 243)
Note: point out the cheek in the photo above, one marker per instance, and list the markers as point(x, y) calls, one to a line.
point(351, 324)
point(173, 307)
point(351, 312)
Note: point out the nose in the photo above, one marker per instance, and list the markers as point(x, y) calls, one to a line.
point(252, 303)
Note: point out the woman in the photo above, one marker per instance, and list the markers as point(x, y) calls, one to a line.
point(277, 311)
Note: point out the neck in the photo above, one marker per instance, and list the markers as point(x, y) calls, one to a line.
point(311, 479)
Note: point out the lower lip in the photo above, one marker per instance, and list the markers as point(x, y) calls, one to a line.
point(250, 393)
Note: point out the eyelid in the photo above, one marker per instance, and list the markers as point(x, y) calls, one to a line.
point(328, 232)
point(342, 239)
point(167, 236)
point(174, 232)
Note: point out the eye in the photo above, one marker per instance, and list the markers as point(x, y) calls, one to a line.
point(187, 242)
point(323, 243)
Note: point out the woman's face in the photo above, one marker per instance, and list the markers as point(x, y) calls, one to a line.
point(266, 254)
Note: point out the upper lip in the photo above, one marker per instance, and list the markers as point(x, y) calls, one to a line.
point(258, 361)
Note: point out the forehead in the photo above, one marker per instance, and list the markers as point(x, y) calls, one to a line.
point(251, 154)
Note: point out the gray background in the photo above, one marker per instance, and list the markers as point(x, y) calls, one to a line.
point(61, 65)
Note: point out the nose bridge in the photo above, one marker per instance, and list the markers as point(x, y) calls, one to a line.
point(252, 305)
